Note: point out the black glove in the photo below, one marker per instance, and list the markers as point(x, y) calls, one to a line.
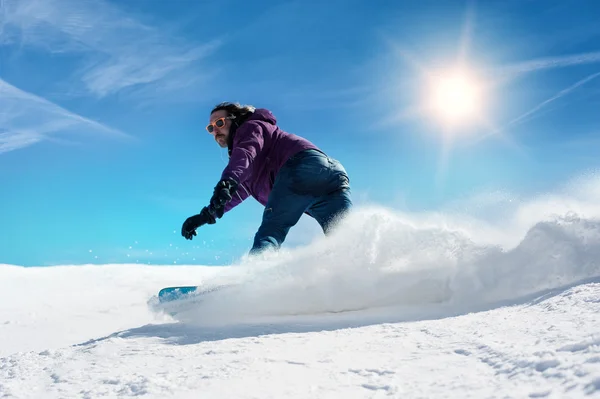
point(188, 230)
point(224, 191)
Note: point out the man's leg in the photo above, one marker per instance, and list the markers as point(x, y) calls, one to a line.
point(283, 210)
point(336, 202)
point(331, 208)
point(310, 182)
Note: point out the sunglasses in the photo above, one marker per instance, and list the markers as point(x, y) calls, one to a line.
point(218, 123)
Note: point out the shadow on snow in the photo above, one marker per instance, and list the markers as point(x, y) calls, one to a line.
point(188, 334)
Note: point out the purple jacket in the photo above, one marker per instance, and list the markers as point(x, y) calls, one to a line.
point(259, 150)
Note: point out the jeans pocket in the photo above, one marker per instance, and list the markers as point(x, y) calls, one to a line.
point(308, 176)
point(318, 175)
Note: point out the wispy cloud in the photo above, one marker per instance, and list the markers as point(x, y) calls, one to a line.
point(528, 115)
point(555, 97)
point(520, 68)
point(26, 119)
point(551, 63)
point(121, 52)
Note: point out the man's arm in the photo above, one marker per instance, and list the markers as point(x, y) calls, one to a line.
point(240, 195)
point(247, 143)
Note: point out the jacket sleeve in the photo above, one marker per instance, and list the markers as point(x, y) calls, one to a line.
point(247, 143)
point(241, 194)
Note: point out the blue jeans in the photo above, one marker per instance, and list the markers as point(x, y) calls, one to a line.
point(309, 182)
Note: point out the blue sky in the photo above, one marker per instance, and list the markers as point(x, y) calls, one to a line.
point(103, 152)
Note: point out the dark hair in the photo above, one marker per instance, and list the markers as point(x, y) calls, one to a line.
point(240, 112)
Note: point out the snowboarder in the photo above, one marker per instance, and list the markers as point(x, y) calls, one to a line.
point(286, 173)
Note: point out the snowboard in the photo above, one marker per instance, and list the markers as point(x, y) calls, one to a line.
point(177, 299)
point(169, 294)
point(176, 293)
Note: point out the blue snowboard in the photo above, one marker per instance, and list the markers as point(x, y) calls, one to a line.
point(170, 294)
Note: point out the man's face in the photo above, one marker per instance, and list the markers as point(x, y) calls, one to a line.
point(221, 134)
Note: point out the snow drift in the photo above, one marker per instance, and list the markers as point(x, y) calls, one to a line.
point(380, 258)
point(424, 296)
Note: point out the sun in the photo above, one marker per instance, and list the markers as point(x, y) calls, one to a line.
point(455, 97)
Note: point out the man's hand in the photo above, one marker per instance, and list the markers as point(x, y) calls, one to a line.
point(224, 191)
point(188, 230)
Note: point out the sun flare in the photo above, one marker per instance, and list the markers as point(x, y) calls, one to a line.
point(455, 97)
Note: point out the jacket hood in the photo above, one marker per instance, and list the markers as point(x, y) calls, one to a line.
point(263, 114)
point(259, 114)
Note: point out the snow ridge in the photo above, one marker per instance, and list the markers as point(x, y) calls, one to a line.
point(500, 304)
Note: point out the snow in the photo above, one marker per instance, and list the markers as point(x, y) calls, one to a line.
point(502, 302)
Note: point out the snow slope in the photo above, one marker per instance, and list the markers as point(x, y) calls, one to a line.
point(504, 302)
